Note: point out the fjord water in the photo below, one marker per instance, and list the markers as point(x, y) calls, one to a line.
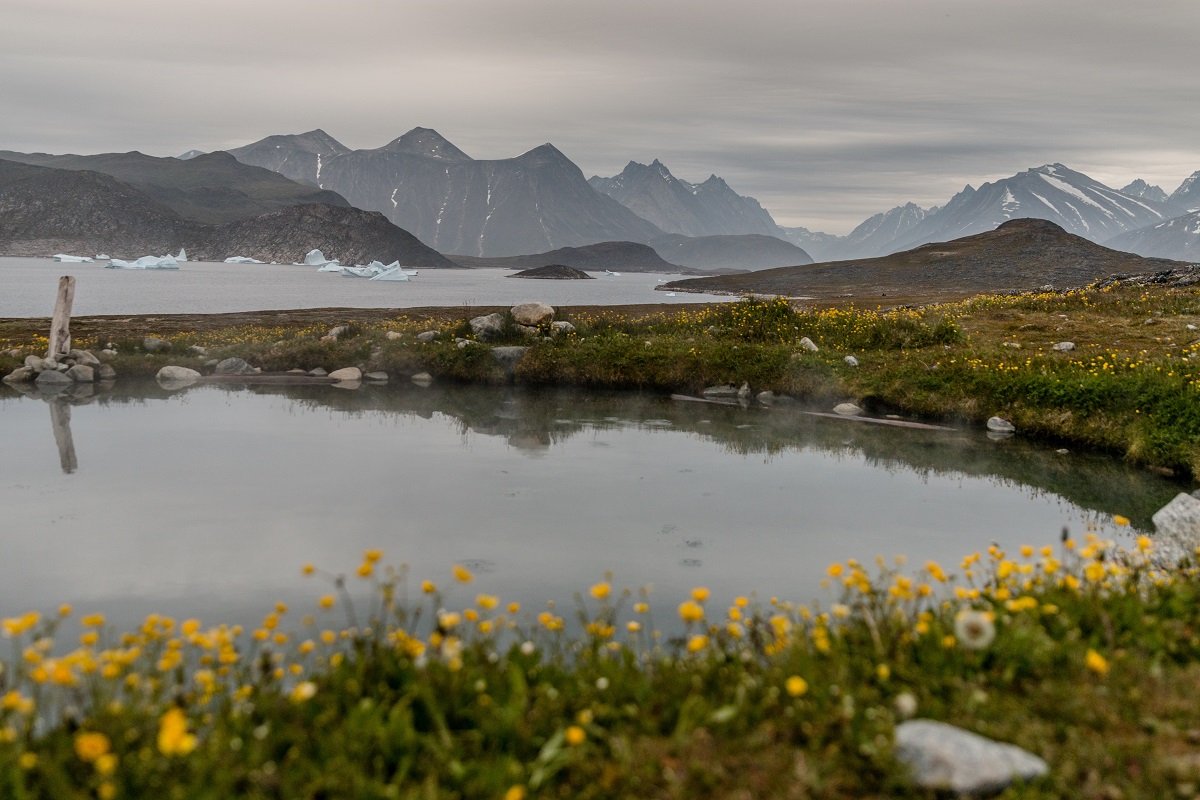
point(199, 287)
point(206, 502)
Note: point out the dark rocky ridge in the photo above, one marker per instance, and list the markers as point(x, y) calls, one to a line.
point(749, 251)
point(45, 210)
point(452, 202)
point(210, 187)
point(1021, 254)
point(553, 272)
point(626, 256)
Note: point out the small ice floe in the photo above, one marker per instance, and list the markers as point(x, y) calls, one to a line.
point(670, 294)
point(376, 270)
point(394, 274)
point(610, 272)
point(66, 259)
point(356, 272)
point(145, 262)
point(243, 260)
point(182, 255)
point(315, 258)
point(102, 256)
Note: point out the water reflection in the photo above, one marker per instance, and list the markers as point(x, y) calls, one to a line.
point(208, 499)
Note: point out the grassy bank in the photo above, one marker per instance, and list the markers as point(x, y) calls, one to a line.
point(1130, 386)
point(1085, 656)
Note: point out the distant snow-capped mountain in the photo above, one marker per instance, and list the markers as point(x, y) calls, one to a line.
point(1140, 188)
point(1187, 196)
point(710, 208)
point(873, 237)
point(1177, 238)
point(821, 246)
point(535, 202)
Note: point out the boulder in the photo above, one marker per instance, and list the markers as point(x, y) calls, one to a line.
point(35, 363)
point(52, 379)
point(20, 375)
point(428, 336)
point(153, 344)
point(234, 366)
point(198, 350)
point(336, 332)
point(533, 314)
point(1000, 425)
point(847, 410)
point(1064, 347)
point(105, 372)
point(561, 328)
point(422, 379)
point(393, 335)
point(808, 344)
point(318, 372)
point(81, 373)
point(508, 357)
point(376, 376)
point(108, 351)
point(743, 392)
point(528, 330)
point(487, 327)
point(462, 344)
point(84, 357)
point(943, 757)
point(347, 374)
point(1178, 522)
point(851, 360)
point(177, 375)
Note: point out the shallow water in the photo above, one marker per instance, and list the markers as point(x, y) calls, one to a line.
point(207, 501)
point(28, 286)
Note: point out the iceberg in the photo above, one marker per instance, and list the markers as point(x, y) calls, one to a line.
point(102, 256)
point(332, 266)
point(145, 262)
point(243, 260)
point(182, 255)
point(73, 259)
point(315, 258)
point(394, 274)
point(358, 272)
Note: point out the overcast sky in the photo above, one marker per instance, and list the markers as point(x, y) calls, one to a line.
point(827, 111)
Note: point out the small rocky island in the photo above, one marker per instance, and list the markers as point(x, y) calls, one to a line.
point(553, 272)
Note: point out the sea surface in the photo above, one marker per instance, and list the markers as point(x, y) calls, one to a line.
point(207, 501)
point(28, 286)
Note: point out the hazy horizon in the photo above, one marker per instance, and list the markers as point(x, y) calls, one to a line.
point(826, 112)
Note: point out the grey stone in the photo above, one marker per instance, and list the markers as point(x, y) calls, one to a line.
point(347, 374)
point(318, 372)
point(508, 357)
point(105, 372)
point(464, 343)
point(743, 392)
point(1191, 327)
point(376, 376)
point(177, 375)
point(52, 379)
point(81, 373)
point(153, 344)
point(720, 391)
point(808, 344)
point(1178, 524)
point(234, 366)
point(533, 314)
point(108, 352)
point(338, 331)
point(1017, 345)
point(348, 384)
point(847, 410)
point(851, 360)
point(561, 328)
point(528, 330)
point(198, 350)
point(35, 363)
point(947, 758)
point(20, 375)
point(1000, 425)
point(487, 327)
point(428, 336)
point(422, 379)
point(393, 335)
point(62, 366)
point(1064, 347)
point(84, 357)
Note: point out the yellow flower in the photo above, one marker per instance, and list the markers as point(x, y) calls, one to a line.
point(327, 601)
point(308, 569)
point(641, 608)
point(1117, 518)
point(27, 761)
point(487, 601)
point(834, 570)
point(90, 746)
point(601, 590)
point(1096, 662)
point(515, 793)
point(428, 587)
point(93, 620)
point(883, 672)
point(796, 686)
point(633, 626)
point(700, 594)
point(372, 556)
point(690, 611)
point(462, 574)
point(106, 791)
point(575, 735)
point(1143, 543)
point(697, 643)
point(106, 764)
point(365, 569)
point(173, 736)
point(304, 690)
point(64, 610)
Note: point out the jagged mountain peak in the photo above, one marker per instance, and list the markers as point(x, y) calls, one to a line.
point(1188, 193)
point(1139, 188)
point(426, 142)
point(314, 141)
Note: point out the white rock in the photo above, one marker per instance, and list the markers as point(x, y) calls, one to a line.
point(808, 344)
point(1178, 523)
point(1192, 327)
point(532, 313)
point(422, 379)
point(428, 336)
point(318, 372)
point(561, 328)
point(943, 757)
point(176, 377)
point(1000, 425)
point(394, 335)
point(1064, 347)
point(81, 373)
point(487, 327)
point(851, 360)
point(847, 410)
point(376, 376)
point(347, 374)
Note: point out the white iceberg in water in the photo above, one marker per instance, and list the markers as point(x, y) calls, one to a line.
point(65, 259)
point(102, 256)
point(378, 271)
point(145, 262)
point(358, 272)
point(182, 255)
point(394, 274)
point(332, 266)
point(243, 260)
point(315, 258)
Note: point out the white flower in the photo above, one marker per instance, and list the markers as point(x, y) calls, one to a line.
point(527, 648)
point(905, 705)
point(974, 629)
point(602, 683)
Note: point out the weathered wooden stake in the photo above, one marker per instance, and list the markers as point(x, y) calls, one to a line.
point(60, 326)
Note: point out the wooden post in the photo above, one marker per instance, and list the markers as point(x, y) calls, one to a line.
point(60, 326)
point(60, 419)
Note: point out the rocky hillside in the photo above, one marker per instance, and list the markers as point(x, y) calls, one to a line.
point(45, 211)
point(209, 187)
point(745, 252)
point(456, 204)
point(1021, 254)
point(616, 256)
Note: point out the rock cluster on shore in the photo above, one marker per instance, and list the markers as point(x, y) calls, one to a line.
point(60, 374)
